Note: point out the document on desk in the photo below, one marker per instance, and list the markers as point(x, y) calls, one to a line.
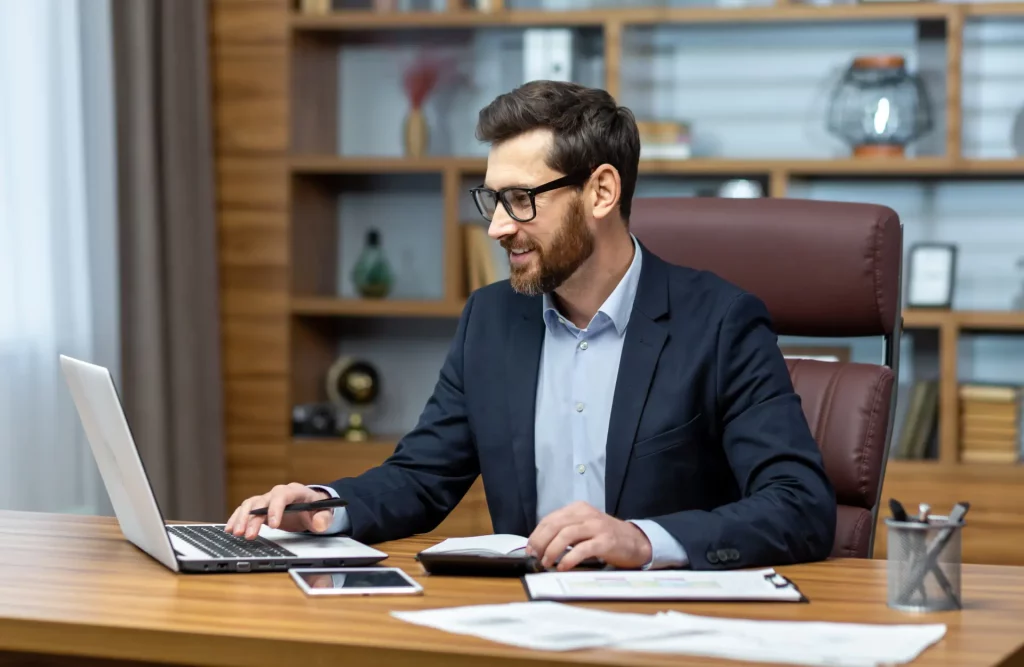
point(667, 585)
point(549, 626)
point(793, 642)
point(554, 626)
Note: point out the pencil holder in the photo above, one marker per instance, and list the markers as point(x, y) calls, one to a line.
point(923, 564)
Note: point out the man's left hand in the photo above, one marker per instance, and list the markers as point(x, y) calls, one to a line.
point(591, 534)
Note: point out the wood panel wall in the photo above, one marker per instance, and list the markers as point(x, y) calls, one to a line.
point(249, 47)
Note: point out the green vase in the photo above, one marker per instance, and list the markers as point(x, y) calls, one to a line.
point(372, 275)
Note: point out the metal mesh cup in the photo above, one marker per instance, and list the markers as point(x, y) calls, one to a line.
point(923, 564)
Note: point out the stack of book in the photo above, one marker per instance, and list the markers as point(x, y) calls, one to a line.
point(989, 423)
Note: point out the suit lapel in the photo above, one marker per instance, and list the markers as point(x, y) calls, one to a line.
point(522, 365)
point(645, 338)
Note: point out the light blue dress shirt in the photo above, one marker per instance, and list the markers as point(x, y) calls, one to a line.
point(575, 386)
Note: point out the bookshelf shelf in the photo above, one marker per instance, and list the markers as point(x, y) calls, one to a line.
point(316, 306)
point(964, 320)
point(356, 20)
point(321, 445)
point(331, 165)
point(923, 166)
point(993, 9)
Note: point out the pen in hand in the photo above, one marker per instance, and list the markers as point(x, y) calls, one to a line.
point(327, 503)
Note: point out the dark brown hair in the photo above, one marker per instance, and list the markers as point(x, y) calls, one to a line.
point(589, 128)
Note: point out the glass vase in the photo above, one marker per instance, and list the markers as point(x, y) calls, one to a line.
point(878, 107)
point(372, 274)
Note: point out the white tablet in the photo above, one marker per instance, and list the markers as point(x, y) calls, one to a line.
point(355, 581)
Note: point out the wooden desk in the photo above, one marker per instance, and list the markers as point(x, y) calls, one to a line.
point(72, 587)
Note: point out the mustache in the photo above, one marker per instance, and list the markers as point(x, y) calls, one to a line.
point(510, 244)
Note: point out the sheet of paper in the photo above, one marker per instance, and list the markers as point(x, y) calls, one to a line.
point(748, 585)
point(501, 544)
point(543, 625)
point(793, 642)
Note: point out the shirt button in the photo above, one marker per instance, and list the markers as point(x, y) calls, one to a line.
point(579, 407)
point(583, 345)
point(581, 468)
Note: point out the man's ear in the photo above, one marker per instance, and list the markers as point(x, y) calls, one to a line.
point(605, 190)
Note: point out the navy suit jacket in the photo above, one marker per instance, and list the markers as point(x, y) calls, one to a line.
point(707, 436)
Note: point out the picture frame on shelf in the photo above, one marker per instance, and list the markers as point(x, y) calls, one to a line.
point(931, 273)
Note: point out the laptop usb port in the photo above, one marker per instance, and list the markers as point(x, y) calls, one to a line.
point(242, 566)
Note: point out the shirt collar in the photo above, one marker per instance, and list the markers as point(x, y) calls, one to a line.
point(619, 304)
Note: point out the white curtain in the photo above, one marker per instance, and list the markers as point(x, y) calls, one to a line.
point(58, 244)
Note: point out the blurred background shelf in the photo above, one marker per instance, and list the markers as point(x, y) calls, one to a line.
point(923, 166)
point(332, 307)
point(354, 19)
point(995, 320)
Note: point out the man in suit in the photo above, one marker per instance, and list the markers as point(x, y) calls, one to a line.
point(639, 412)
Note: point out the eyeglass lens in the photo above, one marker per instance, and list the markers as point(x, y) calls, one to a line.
point(518, 203)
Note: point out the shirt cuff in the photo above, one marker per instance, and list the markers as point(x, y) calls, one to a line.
point(666, 552)
point(340, 522)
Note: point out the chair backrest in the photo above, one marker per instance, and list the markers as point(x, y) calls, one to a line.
point(823, 269)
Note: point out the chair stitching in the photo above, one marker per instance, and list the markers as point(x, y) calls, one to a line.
point(876, 253)
point(858, 528)
point(872, 426)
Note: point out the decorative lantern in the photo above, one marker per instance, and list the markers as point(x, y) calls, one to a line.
point(878, 107)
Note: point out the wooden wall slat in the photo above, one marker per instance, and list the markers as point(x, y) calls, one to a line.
point(249, 50)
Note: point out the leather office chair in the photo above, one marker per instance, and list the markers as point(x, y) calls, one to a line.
point(823, 269)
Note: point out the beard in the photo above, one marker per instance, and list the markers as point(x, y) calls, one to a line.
point(572, 245)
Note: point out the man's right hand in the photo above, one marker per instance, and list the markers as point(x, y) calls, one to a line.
point(242, 523)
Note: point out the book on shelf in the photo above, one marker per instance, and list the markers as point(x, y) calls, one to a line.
point(989, 423)
point(919, 424)
point(482, 254)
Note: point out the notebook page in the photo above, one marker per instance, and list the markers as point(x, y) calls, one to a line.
point(483, 544)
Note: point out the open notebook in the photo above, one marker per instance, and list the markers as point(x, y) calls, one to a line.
point(484, 555)
point(483, 545)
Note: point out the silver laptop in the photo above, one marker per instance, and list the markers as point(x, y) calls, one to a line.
point(185, 547)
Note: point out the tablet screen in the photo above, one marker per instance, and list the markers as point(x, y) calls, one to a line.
point(354, 579)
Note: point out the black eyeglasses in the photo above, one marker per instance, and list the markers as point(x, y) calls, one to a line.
point(520, 203)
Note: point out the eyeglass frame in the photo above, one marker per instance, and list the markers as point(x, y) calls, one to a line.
point(575, 178)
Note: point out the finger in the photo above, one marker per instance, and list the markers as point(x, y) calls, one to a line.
point(568, 536)
point(318, 522)
point(541, 536)
point(230, 524)
point(577, 512)
point(549, 526)
point(583, 550)
point(254, 522)
point(241, 516)
point(279, 497)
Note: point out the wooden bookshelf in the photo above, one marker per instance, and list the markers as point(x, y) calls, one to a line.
point(278, 175)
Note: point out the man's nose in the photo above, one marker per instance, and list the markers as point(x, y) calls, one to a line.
point(502, 224)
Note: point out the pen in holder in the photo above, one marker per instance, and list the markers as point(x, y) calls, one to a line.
point(924, 558)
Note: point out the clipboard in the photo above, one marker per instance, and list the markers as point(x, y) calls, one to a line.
point(766, 586)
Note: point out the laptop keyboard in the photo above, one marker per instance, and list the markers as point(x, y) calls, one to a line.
point(214, 541)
